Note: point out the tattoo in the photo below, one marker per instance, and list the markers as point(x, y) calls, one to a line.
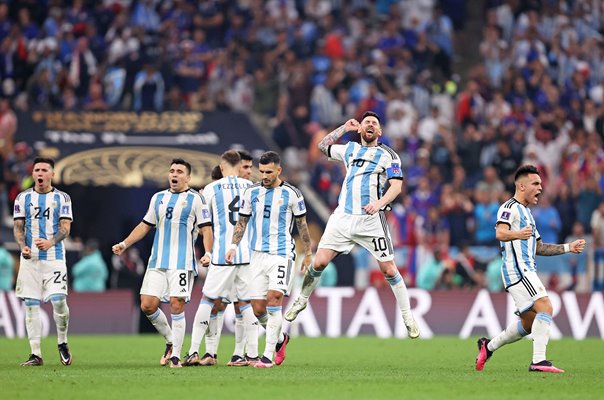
point(331, 138)
point(547, 249)
point(303, 231)
point(239, 229)
point(62, 234)
point(19, 232)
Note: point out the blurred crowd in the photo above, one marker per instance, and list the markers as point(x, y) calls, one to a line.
point(535, 94)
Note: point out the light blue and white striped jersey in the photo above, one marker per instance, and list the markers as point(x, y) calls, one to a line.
point(177, 218)
point(518, 256)
point(367, 170)
point(224, 198)
point(42, 213)
point(272, 213)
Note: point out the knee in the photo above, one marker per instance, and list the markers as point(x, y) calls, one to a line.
point(59, 304)
point(543, 305)
point(388, 268)
point(274, 299)
point(259, 309)
point(177, 305)
point(148, 308)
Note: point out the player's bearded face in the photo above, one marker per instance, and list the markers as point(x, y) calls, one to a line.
point(42, 174)
point(269, 173)
point(370, 129)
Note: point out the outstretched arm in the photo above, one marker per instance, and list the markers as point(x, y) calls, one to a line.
point(137, 234)
point(302, 227)
point(333, 136)
point(546, 249)
point(238, 232)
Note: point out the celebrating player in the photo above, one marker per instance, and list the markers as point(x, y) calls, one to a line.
point(520, 241)
point(178, 214)
point(359, 217)
point(43, 218)
point(270, 209)
point(224, 201)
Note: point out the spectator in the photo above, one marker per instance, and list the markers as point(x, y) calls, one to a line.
point(149, 90)
point(82, 68)
point(597, 229)
point(430, 272)
point(90, 272)
point(127, 270)
point(7, 269)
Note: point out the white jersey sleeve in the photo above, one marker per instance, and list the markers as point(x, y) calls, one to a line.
point(150, 217)
point(338, 152)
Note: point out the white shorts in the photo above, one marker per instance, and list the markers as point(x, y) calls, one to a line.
point(229, 282)
point(343, 231)
point(166, 283)
point(526, 291)
point(40, 279)
point(269, 272)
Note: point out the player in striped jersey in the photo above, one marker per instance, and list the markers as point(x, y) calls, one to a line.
point(520, 242)
point(359, 217)
point(178, 214)
point(42, 219)
point(217, 317)
point(225, 281)
point(268, 211)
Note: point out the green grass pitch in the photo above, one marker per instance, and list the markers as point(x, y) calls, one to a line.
point(127, 367)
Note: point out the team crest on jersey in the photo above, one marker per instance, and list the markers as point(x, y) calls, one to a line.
point(505, 215)
point(280, 202)
point(184, 204)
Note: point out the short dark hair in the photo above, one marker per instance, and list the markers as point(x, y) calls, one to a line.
point(46, 160)
point(270, 157)
point(245, 155)
point(231, 157)
point(180, 161)
point(370, 114)
point(216, 173)
point(524, 170)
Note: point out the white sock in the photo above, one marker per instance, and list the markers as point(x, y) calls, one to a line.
point(239, 335)
point(218, 335)
point(273, 330)
point(60, 313)
point(160, 322)
point(211, 336)
point(250, 324)
point(200, 324)
point(511, 334)
point(311, 278)
point(397, 284)
point(33, 324)
point(540, 331)
point(179, 327)
point(263, 321)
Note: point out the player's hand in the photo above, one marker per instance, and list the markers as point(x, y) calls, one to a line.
point(525, 233)
point(205, 260)
point(119, 248)
point(26, 252)
point(306, 262)
point(352, 125)
point(372, 208)
point(43, 244)
point(230, 255)
point(577, 246)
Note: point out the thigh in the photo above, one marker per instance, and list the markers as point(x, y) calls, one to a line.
point(219, 281)
point(29, 280)
point(279, 274)
point(180, 283)
point(526, 291)
point(336, 236)
point(258, 283)
point(155, 283)
point(241, 287)
point(372, 233)
point(54, 278)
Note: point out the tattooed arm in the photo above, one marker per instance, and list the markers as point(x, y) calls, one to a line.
point(305, 237)
point(546, 249)
point(238, 232)
point(19, 233)
point(333, 136)
point(64, 229)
